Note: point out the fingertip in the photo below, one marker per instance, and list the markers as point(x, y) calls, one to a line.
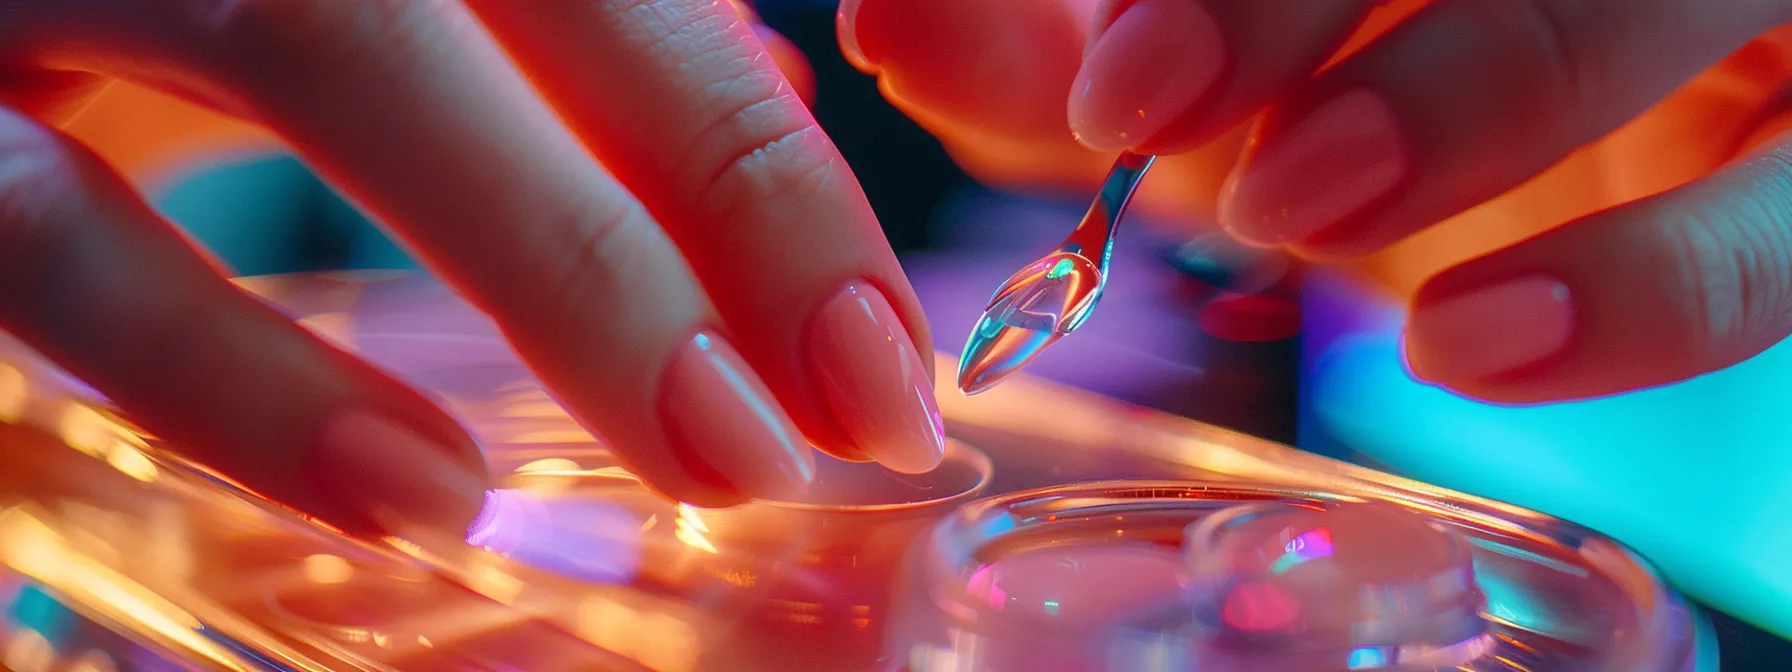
point(1492, 330)
point(999, 68)
point(1150, 65)
point(724, 424)
point(846, 28)
point(875, 380)
point(923, 455)
point(391, 477)
point(1241, 218)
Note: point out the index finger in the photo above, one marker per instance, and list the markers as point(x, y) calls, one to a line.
point(685, 106)
point(413, 110)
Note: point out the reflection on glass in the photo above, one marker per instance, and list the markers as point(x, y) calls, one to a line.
point(590, 539)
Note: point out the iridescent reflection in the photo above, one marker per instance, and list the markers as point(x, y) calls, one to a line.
point(588, 539)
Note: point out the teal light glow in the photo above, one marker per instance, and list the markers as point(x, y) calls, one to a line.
point(1692, 475)
point(34, 609)
point(1367, 657)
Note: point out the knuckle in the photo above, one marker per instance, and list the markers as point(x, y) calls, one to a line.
point(752, 119)
point(1733, 257)
point(755, 159)
point(684, 29)
point(603, 252)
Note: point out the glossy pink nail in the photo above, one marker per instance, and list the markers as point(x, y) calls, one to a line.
point(1324, 168)
point(1490, 331)
point(719, 413)
point(874, 380)
point(1158, 58)
point(395, 478)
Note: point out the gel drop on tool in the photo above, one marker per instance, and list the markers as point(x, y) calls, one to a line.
point(1051, 297)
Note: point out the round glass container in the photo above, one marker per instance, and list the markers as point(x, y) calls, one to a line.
point(1228, 577)
point(764, 585)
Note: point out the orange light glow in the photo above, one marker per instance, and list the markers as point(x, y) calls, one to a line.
point(691, 530)
point(94, 660)
point(85, 430)
point(549, 465)
point(14, 392)
point(661, 642)
point(573, 435)
point(32, 548)
point(131, 462)
point(542, 408)
point(493, 582)
point(327, 569)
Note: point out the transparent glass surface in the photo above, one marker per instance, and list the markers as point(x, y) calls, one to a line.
point(1225, 577)
point(116, 554)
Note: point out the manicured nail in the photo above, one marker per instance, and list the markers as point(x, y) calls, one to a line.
point(1149, 66)
point(1490, 331)
point(1327, 166)
point(718, 412)
point(394, 477)
point(875, 382)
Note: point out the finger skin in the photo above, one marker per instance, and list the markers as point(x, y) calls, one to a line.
point(1462, 102)
point(1259, 52)
point(983, 64)
point(94, 280)
point(416, 113)
point(721, 150)
point(990, 78)
point(51, 96)
point(1658, 291)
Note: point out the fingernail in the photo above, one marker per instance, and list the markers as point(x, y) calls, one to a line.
point(874, 380)
point(1490, 331)
point(394, 477)
point(718, 412)
point(1329, 165)
point(846, 25)
point(1154, 61)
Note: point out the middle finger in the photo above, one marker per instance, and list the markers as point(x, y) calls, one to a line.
point(1465, 100)
point(693, 115)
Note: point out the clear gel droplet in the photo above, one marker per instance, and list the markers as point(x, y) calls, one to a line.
point(1055, 294)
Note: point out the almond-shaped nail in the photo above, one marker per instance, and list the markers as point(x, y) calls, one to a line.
point(719, 413)
point(874, 380)
point(394, 477)
point(1157, 58)
point(1492, 330)
point(1319, 171)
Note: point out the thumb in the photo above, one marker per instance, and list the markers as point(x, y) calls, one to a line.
point(1648, 293)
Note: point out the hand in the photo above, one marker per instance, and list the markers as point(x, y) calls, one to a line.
point(630, 188)
point(1464, 112)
